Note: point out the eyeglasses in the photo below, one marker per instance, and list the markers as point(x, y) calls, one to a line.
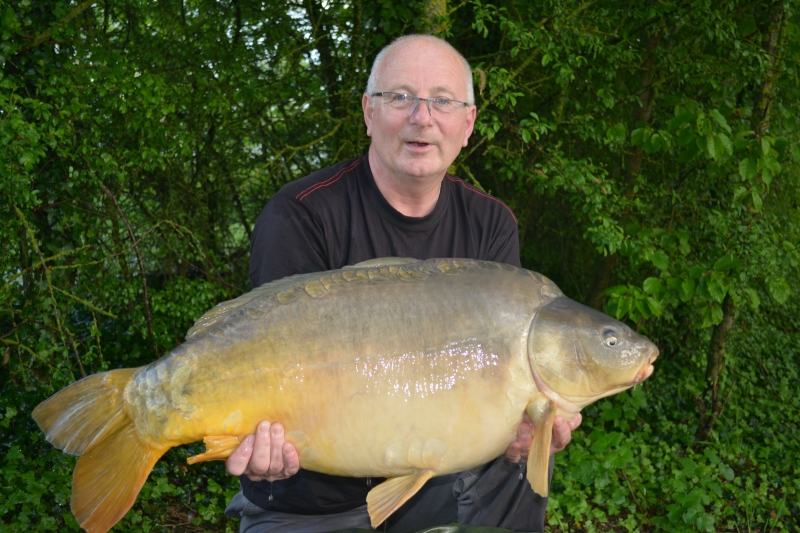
point(405, 105)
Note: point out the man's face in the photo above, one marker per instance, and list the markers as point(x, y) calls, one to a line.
point(420, 145)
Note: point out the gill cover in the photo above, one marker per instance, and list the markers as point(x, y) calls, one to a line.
point(582, 355)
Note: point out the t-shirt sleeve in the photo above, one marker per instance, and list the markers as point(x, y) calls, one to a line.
point(505, 243)
point(286, 240)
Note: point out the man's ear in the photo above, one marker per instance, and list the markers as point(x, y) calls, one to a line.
point(472, 112)
point(366, 105)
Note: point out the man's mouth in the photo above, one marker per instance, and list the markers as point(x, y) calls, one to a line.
point(413, 143)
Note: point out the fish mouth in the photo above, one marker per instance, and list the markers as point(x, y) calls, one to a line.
point(647, 369)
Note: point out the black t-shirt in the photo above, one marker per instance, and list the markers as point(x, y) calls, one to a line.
point(337, 217)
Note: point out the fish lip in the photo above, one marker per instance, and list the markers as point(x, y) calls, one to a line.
point(562, 404)
point(647, 369)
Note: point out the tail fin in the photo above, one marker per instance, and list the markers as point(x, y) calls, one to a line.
point(88, 419)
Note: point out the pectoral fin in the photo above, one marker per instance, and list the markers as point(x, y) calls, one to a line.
point(542, 415)
point(387, 497)
point(218, 447)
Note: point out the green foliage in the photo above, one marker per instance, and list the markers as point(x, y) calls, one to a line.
point(648, 152)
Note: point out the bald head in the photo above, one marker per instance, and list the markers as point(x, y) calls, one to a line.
point(425, 41)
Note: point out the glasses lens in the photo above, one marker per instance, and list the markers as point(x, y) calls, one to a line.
point(443, 109)
point(399, 102)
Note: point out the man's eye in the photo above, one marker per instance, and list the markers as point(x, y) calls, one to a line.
point(400, 97)
point(441, 102)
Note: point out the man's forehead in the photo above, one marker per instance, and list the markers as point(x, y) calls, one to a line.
point(424, 59)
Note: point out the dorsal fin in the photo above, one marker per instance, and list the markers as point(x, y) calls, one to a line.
point(222, 310)
point(384, 262)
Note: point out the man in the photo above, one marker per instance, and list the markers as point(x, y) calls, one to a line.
point(398, 200)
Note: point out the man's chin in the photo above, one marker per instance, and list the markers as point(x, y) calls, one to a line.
point(422, 168)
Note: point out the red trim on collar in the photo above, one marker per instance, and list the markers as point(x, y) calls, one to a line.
point(330, 181)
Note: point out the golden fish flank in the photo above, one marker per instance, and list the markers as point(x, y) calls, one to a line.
point(463, 344)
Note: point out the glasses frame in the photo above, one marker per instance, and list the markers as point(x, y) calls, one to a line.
point(418, 99)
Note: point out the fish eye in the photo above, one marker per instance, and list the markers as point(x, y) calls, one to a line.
point(610, 337)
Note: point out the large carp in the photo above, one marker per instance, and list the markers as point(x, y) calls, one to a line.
point(391, 368)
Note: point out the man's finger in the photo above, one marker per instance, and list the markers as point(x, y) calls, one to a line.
point(237, 463)
point(276, 450)
point(524, 438)
point(260, 462)
point(291, 461)
point(562, 434)
point(513, 453)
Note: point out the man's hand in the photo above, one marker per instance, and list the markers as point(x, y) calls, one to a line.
point(562, 433)
point(265, 455)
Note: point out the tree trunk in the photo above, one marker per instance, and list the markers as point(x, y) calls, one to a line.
point(715, 363)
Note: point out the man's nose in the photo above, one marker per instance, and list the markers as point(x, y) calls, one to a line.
point(422, 113)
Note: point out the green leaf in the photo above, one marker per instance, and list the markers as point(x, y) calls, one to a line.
point(765, 146)
point(756, 201)
point(616, 290)
point(623, 307)
point(716, 290)
point(652, 286)
point(728, 262)
point(712, 456)
point(753, 295)
point(642, 307)
point(705, 522)
point(726, 471)
point(724, 142)
point(703, 126)
point(654, 305)
point(655, 143)
point(711, 146)
point(660, 260)
point(716, 314)
point(617, 133)
point(637, 137)
point(681, 119)
point(781, 143)
point(717, 116)
point(8, 20)
point(688, 287)
point(778, 289)
point(766, 176)
point(773, 164)
point(748, 168)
